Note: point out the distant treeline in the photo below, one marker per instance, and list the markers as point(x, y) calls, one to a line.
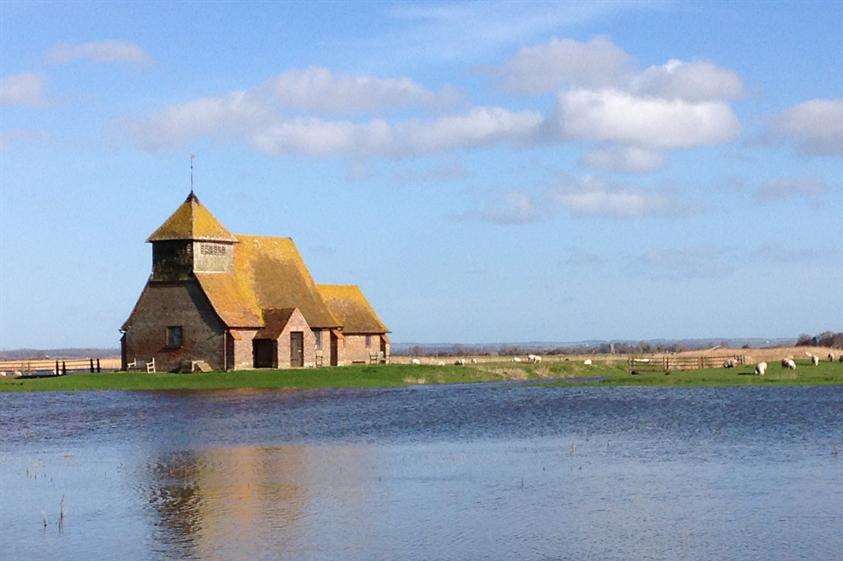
point(626, 347)
point(20, 354)
point(824, 339)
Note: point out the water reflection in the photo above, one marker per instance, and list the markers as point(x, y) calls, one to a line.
point(450, 473)
point(239, 503)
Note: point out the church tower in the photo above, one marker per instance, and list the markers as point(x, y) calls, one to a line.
point(191, 241)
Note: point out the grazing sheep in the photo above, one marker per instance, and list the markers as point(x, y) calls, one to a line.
point(587, 362)
point(440, 363)
point(459, 362)
point(415, 361)
point(830, 357)
point(516, 359)
point(534, 358)
point(761, 368)
point(789, 363)
point(473, 361)
point(815, 360)
point(730, 363)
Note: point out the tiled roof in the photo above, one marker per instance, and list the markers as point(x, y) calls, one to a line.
point(233, 307)
point(192, 221)
point(274, 322)
point(269, 273)
point(350, 307)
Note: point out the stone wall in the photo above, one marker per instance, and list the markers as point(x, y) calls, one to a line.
point(164, 304)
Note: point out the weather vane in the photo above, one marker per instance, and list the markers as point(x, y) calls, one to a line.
point(192, 158)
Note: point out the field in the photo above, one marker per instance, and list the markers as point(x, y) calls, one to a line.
point(395, 375)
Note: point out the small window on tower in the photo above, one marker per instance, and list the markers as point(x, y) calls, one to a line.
point(174, 336)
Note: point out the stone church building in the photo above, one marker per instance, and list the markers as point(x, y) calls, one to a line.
point(239, 302)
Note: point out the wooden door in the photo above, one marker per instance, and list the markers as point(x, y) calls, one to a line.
point(334, 352)
point(296, 348)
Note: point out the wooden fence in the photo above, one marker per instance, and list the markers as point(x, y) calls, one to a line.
point(50, 366)
point(669, 363)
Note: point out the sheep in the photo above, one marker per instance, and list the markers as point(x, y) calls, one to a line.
point(516, 359)
point(830, 357)
point(473, 361)
point(729, 363)
point(415, 361)
point(815, 360)
point(440, 363)
point(459, 362)
point(789, 363)
point(587, 362)
point(534, 358)
point(761, 368)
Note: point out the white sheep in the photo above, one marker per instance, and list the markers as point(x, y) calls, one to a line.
point(830, 357)
point(516, 359)
point(587, 362)
point(789, 363)
point(440, 363)
point(815, 360)
point(473, 361)
point(761, 368)
point(730, 363)
point(415, 361)
point(459, 362)
point(534, 358)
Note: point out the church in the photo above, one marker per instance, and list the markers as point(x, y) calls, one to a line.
point(235, 301)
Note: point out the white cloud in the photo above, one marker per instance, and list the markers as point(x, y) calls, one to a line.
point(565, 62)
point(22, 90)
point(464, 31)
point(318, 89)
point(246, 117)
point(629, 159)
point(595, 198)
point(691, 81)
point(99, 51)
point(617, 116)
point(223, 117)
point(787, 188)
point(815, 126)
point(15, 136)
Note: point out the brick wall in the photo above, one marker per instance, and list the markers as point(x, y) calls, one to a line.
point(296, 323)
point(164, 304)
point(240, 349)
point(355, 349)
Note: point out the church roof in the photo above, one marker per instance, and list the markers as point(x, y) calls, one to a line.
point(274, 322)
point(192, 221)
point(350, 307)
point(268, 273)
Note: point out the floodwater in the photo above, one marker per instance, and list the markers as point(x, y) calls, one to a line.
point(478, 472)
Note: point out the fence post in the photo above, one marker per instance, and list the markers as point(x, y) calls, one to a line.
point(63, 367)
point(98, 365)
point(56, 371)
point(92, 364)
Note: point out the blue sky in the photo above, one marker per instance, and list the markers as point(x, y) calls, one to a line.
point(485, 172)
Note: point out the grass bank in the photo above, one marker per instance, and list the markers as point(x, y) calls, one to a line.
point(395, 375)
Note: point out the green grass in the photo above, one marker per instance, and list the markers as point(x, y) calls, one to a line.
point(395, 375)
point(826, 373)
